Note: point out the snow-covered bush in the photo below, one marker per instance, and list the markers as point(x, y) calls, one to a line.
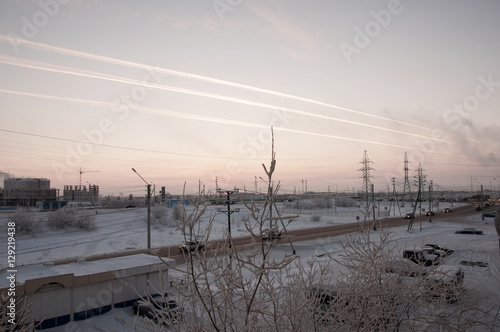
point(70, 218)
point(315, 218)
point(26, 221)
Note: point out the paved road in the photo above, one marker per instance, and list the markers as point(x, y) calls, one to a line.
point(298, 235)
point(328, 231)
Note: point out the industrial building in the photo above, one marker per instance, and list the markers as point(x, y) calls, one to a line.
point(66, 293)
point(27, 191)
point(79, 193)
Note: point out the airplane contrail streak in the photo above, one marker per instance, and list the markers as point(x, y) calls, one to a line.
point(163, 112)
point(64, 51)
point(88, 74)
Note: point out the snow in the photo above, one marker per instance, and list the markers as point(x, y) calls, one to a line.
point(122, 230)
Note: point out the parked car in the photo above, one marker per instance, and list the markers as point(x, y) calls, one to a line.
point(271, 233)
point(405, 267)
point(160, 308)
point(430, 213)
point(409, 216)
point(190, 246)
point(421, 256)
point(447, 210)
point(490, 214)
point(445, 281)
point(443, 249)
point(469, 230)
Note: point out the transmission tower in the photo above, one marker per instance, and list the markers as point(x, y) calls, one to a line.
point(394, 198)
point(406, 182)
point(365, 170)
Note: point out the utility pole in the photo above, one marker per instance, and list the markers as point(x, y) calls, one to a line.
point(149, 207)
point(373, 207)
point(430, 197)
point(229, 212)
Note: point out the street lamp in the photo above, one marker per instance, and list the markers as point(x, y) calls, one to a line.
point(149, 207)
point(482, 193)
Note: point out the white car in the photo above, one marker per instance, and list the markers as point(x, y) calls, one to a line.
point(190, 246)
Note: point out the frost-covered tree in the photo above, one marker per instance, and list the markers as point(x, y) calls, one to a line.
point(70, 217)
point(260, 288)
point(26, 221)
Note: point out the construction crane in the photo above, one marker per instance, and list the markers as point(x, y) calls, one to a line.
point(80, 172)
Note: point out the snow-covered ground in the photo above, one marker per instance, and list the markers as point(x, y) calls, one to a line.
point(125, 229)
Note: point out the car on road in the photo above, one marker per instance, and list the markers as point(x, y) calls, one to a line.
point(271, 233)
point(430, 213)
point(469, 230)
point(409, 216)
point(191, 246)
point(159, 308)
point(447, 210)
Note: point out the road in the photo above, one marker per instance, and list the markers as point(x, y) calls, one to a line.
point(299, 235)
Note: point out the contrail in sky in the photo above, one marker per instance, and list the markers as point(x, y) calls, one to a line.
point(94, 75)
point(59, 50)
point(163, 112)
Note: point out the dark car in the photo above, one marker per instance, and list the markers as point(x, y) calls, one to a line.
point(271, 234)
point(489, 214)
point(469, 230)
point(409, 216)
point(447, 210)
point(190, 246)
point(430, 213)
point(160, 308)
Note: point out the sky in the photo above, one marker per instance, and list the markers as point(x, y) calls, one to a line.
point(187, 93)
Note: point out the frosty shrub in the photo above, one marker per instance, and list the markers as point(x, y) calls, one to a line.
point(26, 221)
point(178, 212)
point(85, 220)
point(160, 215)
point(315, 218)
point(69, 218)
point(346, 202)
